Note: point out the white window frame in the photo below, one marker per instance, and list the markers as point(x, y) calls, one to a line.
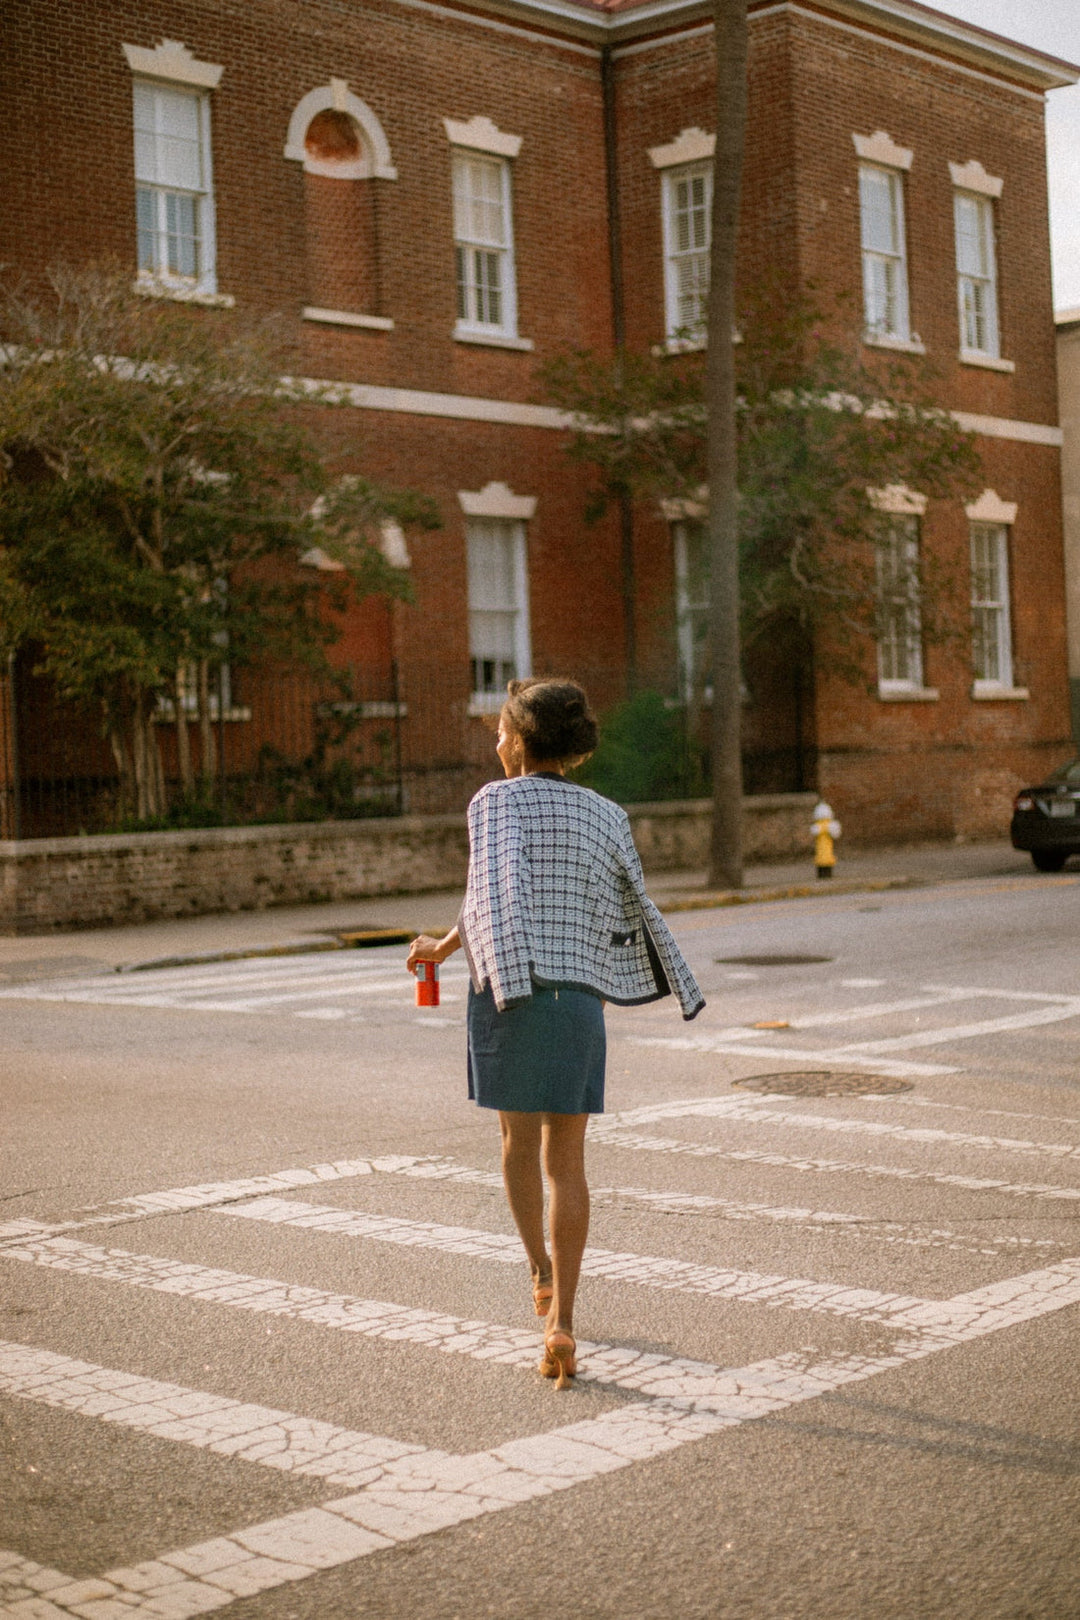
point(468, 325)
point(990, 608)
point(893, 262)
point(488, 697)
point(691, 607)
point(158, 275)
point(692, 333)
point(899, 636)
point(981, 287)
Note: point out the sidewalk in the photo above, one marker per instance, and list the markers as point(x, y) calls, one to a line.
point(316, 927)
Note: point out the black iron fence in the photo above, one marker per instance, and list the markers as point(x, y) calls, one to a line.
point(271, 745)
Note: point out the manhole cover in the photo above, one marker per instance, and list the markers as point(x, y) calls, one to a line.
point(824, 1083)
point(772, 961)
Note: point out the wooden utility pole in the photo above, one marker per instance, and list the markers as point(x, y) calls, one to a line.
point(725, 859)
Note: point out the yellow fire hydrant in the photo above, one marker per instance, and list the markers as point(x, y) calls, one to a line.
point(825, 829)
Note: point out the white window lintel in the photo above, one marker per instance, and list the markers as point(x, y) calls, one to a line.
point(897, 500)
point(172, 60)
point(881, 148)
point(990, 508)
point(374, 162)
point(481, 135)
point(691, 146)
point(683, 509)
point(971, 176)
point(497, 500)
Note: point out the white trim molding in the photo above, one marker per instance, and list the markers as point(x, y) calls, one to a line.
point(691, 146)
point(1004, 427)
point(986, 692)
point(686, 509)
point(990, 508)
point(481, 135)
point(374, 162)
point(491, 340)
point(881, 148)
point(497, 500)
point(897, 500)
point(989, 362)
point(344, 317)
point(885, 340)
point(173, 61)
point(971, 176)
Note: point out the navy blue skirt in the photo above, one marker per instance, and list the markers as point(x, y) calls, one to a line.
point(544, 1056)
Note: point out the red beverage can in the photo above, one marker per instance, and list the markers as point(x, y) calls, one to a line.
point(427, 984)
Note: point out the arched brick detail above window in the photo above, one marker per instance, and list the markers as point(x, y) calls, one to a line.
point(370, 161)
point(343, 149)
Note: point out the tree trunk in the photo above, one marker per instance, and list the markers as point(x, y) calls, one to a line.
point(725, 859)
point(208, 750)
point(183, 740)
point(149, 777)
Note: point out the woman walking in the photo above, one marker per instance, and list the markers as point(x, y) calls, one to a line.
point(555, 922)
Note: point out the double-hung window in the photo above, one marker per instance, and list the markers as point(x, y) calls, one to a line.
point(884, 255)
point(899, 627)
point(173, 191)
point(484, 245)
point(991, 639)
point(499, 649)
point(687, 238)
point(976, 274)
point(692, 607)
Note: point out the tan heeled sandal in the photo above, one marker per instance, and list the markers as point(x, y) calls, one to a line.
point(543, 1294)
point(559, 1360)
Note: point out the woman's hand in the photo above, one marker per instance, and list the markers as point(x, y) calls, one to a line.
point(426, 948)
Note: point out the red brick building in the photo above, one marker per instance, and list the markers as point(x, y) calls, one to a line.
point(440, 196)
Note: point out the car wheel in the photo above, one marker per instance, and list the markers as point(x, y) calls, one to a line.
point(1049, 860)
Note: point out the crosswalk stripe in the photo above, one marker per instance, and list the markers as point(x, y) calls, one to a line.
point(646, 1271)
point(637, 1142)
point(417, 1493)
point(743, 1110)
point(744, 1046)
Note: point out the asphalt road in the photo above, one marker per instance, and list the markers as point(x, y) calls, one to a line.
point(267, 1338)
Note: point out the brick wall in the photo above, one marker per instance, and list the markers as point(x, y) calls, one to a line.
point(287, 239)
point(64, 883)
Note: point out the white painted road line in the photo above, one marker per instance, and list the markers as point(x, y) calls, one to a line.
point(743, 1110)
point(840, 1056)
point(418, 1493)
point(434, 1168)
point(641, 1270)
point(637, 1142)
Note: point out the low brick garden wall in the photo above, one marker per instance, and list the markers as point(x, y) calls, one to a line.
point(59, 883)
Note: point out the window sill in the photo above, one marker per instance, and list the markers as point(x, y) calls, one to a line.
point(989, 362)
point(481, 703)
point(882, 340)
point(492, 340)
point(908, 694)
point(343, 317)
point(986, 692)
point(681, 345)
point(166, 715)
point(151, 287)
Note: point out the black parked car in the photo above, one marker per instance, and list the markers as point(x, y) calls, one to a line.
point(1046, 819)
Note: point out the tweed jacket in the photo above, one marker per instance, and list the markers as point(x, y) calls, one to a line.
point(555, 895)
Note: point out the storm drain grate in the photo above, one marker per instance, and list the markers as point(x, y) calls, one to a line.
point(772, 961)
point(824, 1083)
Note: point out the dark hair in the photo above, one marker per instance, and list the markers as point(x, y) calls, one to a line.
point(552, 717)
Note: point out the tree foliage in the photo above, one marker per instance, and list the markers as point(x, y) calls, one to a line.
point(818, 427)
point(159, 483)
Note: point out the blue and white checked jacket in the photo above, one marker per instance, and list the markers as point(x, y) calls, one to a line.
point(556, 896)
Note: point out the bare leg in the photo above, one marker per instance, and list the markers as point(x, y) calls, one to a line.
point(524, 1184)
point(564, 1161)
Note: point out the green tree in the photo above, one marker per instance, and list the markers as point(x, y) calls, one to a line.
point(160, 481)
point(816, 430)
